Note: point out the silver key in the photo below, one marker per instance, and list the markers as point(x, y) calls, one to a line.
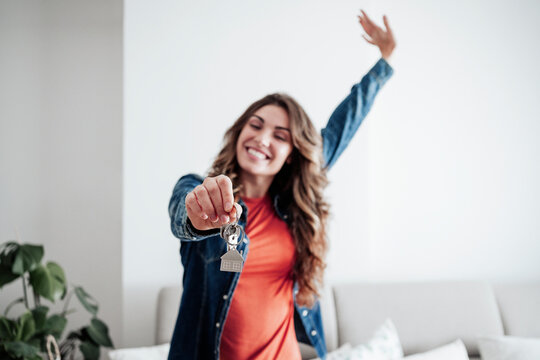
point(232, 261)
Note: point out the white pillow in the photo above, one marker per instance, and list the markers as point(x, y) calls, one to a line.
point(383, 345)
point(342, 353)
point(509, 348)
point(452, 351)
point(159, 352)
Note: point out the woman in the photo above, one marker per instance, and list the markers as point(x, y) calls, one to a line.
point(269, 176)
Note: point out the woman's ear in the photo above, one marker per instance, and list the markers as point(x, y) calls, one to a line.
point(289, 160)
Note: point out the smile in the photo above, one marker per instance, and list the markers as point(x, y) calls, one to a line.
point(257, 154)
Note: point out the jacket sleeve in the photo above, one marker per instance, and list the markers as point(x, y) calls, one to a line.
point(181, 226)
point(348, 116)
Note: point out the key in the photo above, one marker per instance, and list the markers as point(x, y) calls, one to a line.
point(232, 260)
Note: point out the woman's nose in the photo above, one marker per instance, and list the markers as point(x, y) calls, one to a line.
point(263, 139)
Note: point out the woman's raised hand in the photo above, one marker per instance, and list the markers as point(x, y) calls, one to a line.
point(384, 40)
point(211, 204)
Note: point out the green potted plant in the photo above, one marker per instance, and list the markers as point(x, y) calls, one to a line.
point(25, 337)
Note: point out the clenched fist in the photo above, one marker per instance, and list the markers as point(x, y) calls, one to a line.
point(211, 204)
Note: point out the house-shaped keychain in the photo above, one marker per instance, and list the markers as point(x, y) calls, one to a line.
point(232, 261)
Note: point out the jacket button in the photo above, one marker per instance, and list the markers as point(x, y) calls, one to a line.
point(245, 241)
point(285, 216)
point(313, 333)
point(217, 325)
point(225, 297)
point(304, 313)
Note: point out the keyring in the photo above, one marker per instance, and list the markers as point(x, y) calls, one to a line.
point(227, 233)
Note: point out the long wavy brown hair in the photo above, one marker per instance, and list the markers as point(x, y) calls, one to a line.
point(300, 185)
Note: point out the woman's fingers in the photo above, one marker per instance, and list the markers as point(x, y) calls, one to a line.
point(193, 212)
point(193, 205)
point(238, 209)
point(385, 21)
point(211, 204)
point(214, 192)
point(388, 29)
point(370, 27)
point(383, 38)
point(206, 204)
point(226, 189)
point(368, 40)
point(236, 212)
point(367, 27)
point(220, 190)
point(368, 20)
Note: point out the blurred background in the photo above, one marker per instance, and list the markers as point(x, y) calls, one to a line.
point(105, 104)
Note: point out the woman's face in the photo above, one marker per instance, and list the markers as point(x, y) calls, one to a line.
point(265, 142)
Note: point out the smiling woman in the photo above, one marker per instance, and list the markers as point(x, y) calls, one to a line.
point(273, 169)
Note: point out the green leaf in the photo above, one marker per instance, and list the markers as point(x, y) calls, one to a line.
point(89, 350)
point(6, 276)
point(8, 329)
point(7, 257)
point(26, 328)
point(86, 300)
point(7, 252)
point(99, 332)
point(49, 281)
point(20, 349)
point(40, 316)
point(27, 259)
point(55, 325)
point(58, 273)
point(38, 341)
point(35, 357)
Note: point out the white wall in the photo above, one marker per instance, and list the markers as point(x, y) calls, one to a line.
point(439, 183)
point(61, 143)
point(455, 159)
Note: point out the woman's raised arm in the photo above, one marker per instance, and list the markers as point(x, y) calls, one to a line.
point(349, 114)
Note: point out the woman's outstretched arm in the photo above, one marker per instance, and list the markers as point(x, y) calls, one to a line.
point(349, 114)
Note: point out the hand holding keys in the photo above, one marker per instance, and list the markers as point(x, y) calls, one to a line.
point(211, 204)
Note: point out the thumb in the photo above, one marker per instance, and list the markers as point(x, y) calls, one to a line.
point(386, 25)
point(238, 211)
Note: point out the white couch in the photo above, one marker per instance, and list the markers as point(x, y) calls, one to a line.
point(426, 314)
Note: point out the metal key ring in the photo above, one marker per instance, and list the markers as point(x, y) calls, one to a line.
point(224, 232)
point(238, 233)
point(234, 223)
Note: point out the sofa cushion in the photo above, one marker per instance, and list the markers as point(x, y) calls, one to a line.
point(426, 314)
point(519, 305)
point(158, 352)
point(383, 345)
point(453, 351)
point(509, 348)
point(167, 312)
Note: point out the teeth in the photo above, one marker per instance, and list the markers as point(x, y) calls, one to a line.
point(257, 154)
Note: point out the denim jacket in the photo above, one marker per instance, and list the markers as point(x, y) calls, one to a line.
point(207, 291)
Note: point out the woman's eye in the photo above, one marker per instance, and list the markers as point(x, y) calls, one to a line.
point(281, 138)
point(255, 126)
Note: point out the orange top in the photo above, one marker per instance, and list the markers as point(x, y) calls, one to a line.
point(260, 321)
